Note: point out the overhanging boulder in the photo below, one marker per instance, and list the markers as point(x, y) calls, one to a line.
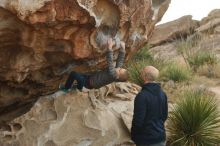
point(42, 40)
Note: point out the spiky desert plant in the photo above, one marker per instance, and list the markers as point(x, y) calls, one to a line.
point(211, 71)
point(195, 56)
point(201, 58)
point(143, 54)
point(176, 72)
point(140, 59)
point(194, 121)
point(134, 69)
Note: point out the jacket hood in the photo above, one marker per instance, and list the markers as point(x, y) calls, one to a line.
point(152, 87)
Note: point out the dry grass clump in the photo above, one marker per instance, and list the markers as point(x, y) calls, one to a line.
point(194, 56)
point(211, 71)
point(141, 59)
point(176, 72)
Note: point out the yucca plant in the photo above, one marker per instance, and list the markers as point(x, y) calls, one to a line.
point(194, 121)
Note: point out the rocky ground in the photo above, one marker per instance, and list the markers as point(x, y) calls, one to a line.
point(89, 118)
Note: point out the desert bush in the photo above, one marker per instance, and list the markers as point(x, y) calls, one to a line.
point(141, 59)
point(142, 54)
point(195, 56)
point(201, 58)
point(134, 69)
point(194, 120)
point(211, 71)
point(184, 46)
point(176, 72)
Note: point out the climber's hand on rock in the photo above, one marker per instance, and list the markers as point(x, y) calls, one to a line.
point(122, 44)
point(110, 44)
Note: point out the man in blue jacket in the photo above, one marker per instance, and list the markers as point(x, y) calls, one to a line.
point(150, 111)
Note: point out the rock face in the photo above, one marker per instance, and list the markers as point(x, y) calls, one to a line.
point(211, 16)
point(205, 34)
point(172, 30)
point(212, 21)
point(44, 39)
point(165, 51)
point(73, 120)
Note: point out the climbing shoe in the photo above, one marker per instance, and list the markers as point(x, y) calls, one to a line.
point(62, 88)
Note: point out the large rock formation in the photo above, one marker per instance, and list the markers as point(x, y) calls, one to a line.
point(71, 119)
point(41, 40)
point(211, 22)
point(173, 30)
point(205, 34)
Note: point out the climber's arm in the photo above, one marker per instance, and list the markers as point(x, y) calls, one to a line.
point(109, 58)
point(121, 55)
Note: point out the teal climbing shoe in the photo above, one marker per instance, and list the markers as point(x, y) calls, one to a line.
point(62, 88)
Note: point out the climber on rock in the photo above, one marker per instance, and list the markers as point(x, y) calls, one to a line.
point(100, 78)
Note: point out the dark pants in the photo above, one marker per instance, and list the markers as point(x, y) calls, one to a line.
point(80, 78)
point(157, 144)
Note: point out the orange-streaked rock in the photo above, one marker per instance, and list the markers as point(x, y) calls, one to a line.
point(39, 39)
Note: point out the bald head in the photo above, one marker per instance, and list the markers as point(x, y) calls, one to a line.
point(149, 74)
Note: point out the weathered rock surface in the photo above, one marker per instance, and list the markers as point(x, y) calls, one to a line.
point(165, 51)
point(209, 25)
point(212, 15)
point(73, 120)
point(170, 31)
point(42, 40)
point(210, 43)
point(211, 22)
point(205, 34)
point(217, 29)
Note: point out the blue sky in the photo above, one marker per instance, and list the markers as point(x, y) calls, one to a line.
point(197, 8)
